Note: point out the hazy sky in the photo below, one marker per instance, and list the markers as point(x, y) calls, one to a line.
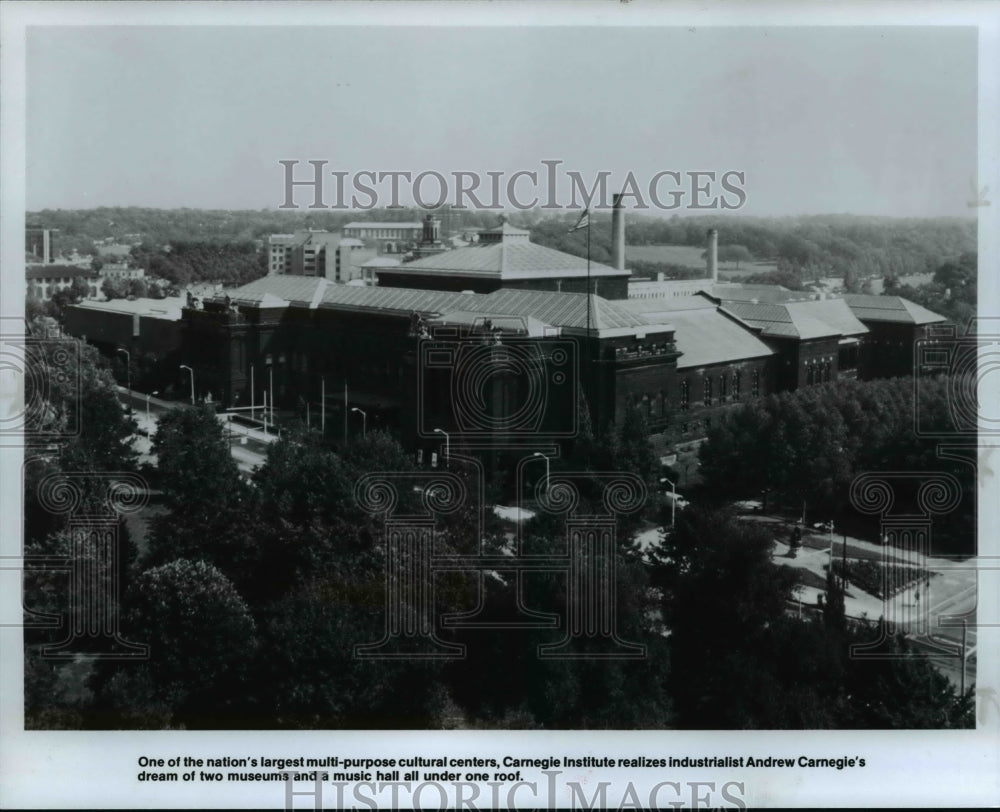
point(860, 120)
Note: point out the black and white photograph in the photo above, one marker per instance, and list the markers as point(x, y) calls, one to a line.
point(499, 405)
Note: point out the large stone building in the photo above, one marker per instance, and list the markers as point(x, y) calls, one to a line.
point(493, 344)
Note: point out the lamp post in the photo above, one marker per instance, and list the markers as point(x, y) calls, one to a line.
point(829, 526)
point(364, 420)
point(191, 371)
point(673, 503)
point(547, 469)
point(147, 401)
point(447, 444)
point(128, 376)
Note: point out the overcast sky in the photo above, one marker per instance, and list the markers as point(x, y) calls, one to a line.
point(859, 120)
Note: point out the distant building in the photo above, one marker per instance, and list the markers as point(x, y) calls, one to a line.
point(44, 281)
point(505, 257)
point(325, 254)
point(387, 238)
point(121, 271)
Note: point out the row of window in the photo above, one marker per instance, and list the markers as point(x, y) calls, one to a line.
point(818, 373)
point(721, 388)
point(724, 388)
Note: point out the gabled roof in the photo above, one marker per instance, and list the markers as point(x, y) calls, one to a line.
point(890, 308)
point(268, 291)
point(565, 310)
point(505, 260)
point(823, 318)
point(396, 300)
point(703, 334)
point(568, 310)
point(707, 336)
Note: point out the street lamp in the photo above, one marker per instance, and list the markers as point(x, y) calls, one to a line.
point(673, 501)
point(447, 443)
point(147, 402)
point(185, 366)
point(829, 526)
point(128, 374)
point(364, 420)
point(540, 454)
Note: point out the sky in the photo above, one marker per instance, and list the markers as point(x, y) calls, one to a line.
point(860, 120)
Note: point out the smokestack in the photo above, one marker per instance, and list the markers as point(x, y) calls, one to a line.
point(713, 255)
point(618, 232)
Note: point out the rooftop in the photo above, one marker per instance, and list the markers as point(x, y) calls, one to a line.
point(169, 308)
point(511, 258)
point(890, 308)
point(377, 224)
point(803, 320)
point(52, 271)
point(565, 310)
point(702, 333)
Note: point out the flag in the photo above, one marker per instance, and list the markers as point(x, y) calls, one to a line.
point(583, 222)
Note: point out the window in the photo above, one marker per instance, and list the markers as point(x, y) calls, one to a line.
point(736, 384)
point(722, 388)
point(755, 386)
point(708, 391)
point(685, 394)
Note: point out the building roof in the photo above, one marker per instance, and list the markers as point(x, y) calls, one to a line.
point(822, 318)
point(378, 224)
point(564, 310)
point(168, 309)
point(702, 333)
point(381, 262)
point(270, 291)
point(58, 272)
point(507, 259)
point(567, 310)
point(890, 308)
point(398, 300)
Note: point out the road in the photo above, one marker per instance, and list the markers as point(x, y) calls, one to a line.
point(249, 446)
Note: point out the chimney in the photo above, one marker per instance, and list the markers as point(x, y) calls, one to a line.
point(618, 232)
point(713, 255)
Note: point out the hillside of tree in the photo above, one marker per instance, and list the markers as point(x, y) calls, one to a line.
point(192, 245)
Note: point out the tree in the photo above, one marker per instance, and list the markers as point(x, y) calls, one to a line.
point(113, 288)
point(202, 641)
point(734, 253)
point(210, 507)
point(137, 288)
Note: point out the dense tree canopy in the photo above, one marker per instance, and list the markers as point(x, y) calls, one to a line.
point(806, 447)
